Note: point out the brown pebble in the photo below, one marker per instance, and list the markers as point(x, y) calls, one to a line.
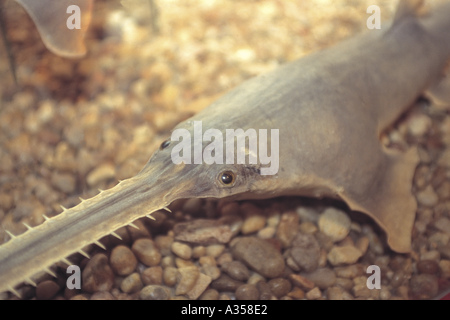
point(305, 251)
point(102, 295)
point(97, 275)
point(259, 255)
point(338, 293)
point(247, 292)
point(428, 266)
point(147, 252)
point(181, 250)
point(264, 291)
point(237, 270)
point(314, 294)
point(301, 281)
point(152, 275)
point(287, 228)
point(210, 294)
point(122, 260)
point(279, 287)
point(132, 283)
point(322, 278)
point(423, 286)
point(297, 293)
point(154, 292)
point(225, 283)
point(46, 290)
point(199, 287)
point(170, 276)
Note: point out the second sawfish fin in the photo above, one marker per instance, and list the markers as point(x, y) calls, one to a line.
point(51, 19)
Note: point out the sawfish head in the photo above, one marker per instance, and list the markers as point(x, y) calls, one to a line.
point(196, 164)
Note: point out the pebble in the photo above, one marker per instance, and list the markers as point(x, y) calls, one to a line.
point(419, 124)
point(444, 266)
point(428, 266)
point(152, 275)
point(334, 223)
point(322, 278)
point(314, 294)
point(210, 294)
point(236, 270)
point(186, 279)
point(97, 275)
point(203, 231)
point(264, 291)
point(154, 292)
point(247, 292)
point(102, 295)
point(260, 255)
point(181, 250)
point(131, 283)
point(279, 287)
point(46, 290)
point(423, 286)
point(253, 223)
point(287, 228)
point(146, 252)
point(215, 250)
point(164, 244)
point(170, 276)
point(443, 224)
point(338, 293)
point(297, 293)
point(199, 287)
point(343, 255)
point(427, 197)
point(226, 283)
point(122, 260)
point(305, 251)
point(101, 174)
point(64, 182)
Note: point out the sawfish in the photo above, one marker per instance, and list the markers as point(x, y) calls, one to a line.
point(329, 110)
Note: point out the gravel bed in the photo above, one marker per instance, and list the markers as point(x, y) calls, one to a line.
point(72, 127)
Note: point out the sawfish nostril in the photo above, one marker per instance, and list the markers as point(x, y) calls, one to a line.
point(164, 145)
point(227, 177)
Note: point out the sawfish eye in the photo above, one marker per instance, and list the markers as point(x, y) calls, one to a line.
point(227, 178)
point(164, 145)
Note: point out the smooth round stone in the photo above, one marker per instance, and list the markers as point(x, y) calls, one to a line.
point(225, 283)
point(260, 255)
point(279, 287)
point(424, 286)
point(147, 252)
point(334, 223)
point(247, 292)
point(210, 294)
point(305, 251)
point(428, 266)
point(287, 228)
point(182, 250)
point(170, 276)
point(46, 290)
point(253, 223)
point(343, 255)
point(122, 260)
point(237, 270)
point(154, 292)
point(97, 275)
point(132, 283)
point(322, 278)
point(102, 295)
point(152, 275)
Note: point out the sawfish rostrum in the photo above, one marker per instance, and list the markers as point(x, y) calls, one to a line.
point(329, 110)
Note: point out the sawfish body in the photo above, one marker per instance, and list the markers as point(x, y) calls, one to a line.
point(330, 109)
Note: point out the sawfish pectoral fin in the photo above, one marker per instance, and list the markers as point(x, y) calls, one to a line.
point(62, 24)
point(390, 201)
